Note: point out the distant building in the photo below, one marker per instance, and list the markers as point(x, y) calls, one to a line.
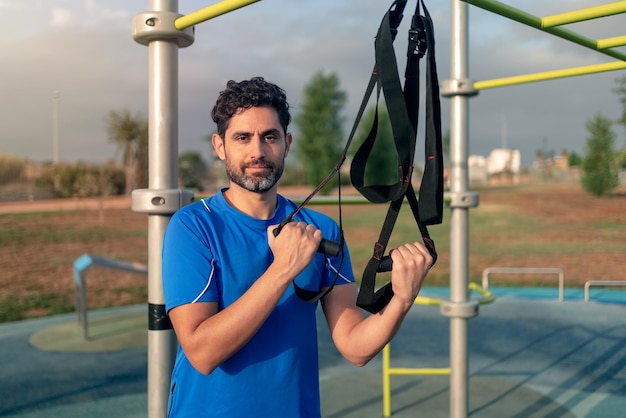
point(502, 163)
point(555, 167)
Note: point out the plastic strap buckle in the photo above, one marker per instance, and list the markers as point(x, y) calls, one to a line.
point(418, 44)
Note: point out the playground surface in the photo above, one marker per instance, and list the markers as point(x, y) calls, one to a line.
point(529, 356)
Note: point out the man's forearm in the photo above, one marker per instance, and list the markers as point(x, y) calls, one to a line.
point(369, 337)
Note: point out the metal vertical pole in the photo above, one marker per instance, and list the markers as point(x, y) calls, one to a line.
point(156, 30)
point(459, 217)
point(459, 308)
point(163, 155)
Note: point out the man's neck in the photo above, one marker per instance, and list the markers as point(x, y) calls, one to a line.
point(257, 205)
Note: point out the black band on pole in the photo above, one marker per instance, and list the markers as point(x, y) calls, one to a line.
point(157, 318)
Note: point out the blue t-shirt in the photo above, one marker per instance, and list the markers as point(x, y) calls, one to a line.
point(214, 253)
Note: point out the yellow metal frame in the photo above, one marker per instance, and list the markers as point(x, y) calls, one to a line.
point(211, 12)
point(388, 371)
point(552, 24)
point(584, 14)
point(549, 75)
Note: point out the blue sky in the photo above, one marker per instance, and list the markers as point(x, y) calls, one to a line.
point(84, 50)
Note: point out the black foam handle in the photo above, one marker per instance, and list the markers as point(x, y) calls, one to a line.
point(329, 247)
point(385, 264)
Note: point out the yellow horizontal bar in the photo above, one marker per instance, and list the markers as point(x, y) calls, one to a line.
point(210, 12)
point(487, 296)
point(583, 14)
point(611, 42)
point(549, 75)
point(425, 300)
point(406, 371)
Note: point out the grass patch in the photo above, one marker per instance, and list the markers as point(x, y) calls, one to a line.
point(38, 249)
point(20, 234)
point(17, 308)
point(60, 227)
point(137, 292)
point(494, 234)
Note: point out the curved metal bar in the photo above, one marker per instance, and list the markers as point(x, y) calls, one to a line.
point(525, 270)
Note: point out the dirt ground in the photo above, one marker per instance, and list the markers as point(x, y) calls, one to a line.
point(71, 227)
point(579, 218)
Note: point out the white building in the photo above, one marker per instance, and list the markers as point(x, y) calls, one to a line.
point(501, 162)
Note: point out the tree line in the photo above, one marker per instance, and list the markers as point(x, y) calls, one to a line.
point(318, 147)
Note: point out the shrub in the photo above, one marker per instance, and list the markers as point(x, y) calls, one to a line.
point(82, 180)
point(11, 169)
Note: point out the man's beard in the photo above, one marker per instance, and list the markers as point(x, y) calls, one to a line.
point(255, 183)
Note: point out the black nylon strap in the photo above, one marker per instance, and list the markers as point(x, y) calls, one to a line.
point(431, 189)
point(375, 300)
point(386, 76)
point(403, 106)
point(369, 299)
point(403, 109)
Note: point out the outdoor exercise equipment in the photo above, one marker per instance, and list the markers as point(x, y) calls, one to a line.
point(459, 88)
point(163, 30)
point(388, 371)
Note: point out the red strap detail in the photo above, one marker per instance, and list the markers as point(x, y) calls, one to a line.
point(379, 251)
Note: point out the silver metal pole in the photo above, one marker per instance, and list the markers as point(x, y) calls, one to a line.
point(156, 30)
point(459, 308)
point(163, 151)
point(459, 219)
point(163, 154)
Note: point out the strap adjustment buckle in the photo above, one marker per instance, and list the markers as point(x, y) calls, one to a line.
point(418, 44)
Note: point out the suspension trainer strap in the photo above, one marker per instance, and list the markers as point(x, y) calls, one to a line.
point(385, 75)
point(403, 109)
point(431, 188)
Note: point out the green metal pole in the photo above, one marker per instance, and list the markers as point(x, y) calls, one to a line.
point(535, 22)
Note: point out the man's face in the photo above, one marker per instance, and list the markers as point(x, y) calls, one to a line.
point(254, 148)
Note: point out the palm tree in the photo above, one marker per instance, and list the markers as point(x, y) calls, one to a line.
point(126, 130)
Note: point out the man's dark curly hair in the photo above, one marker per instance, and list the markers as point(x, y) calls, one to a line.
point(255, 92)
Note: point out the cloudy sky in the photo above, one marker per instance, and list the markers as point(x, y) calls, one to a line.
point(83, 49)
